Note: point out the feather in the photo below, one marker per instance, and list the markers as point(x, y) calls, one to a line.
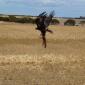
point(44, 20)
point(49, 19)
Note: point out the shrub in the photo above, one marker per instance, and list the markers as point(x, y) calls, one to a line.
point(70, 22)
point(1, 18)
point(12, 18)
point(21, 20)
point(82, 23)
point(25, 20)
point(5, 19)
point(31, 20)
point(55, 21)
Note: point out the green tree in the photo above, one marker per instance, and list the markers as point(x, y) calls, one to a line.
point(1, 18)
point(82, 23)
point(12, 18)
point(55, 21)
point(70, 22)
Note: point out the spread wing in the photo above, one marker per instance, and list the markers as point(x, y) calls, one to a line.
point(49, 19)
point(42, 14)
point(40, 19)
point(43, 19)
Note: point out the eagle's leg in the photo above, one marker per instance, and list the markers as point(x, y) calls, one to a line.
point(44, 39)
point(49, 30)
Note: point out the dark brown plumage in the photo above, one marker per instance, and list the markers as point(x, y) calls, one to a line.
point(42, 22)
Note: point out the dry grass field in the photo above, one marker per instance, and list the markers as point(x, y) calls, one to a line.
point(23, 60)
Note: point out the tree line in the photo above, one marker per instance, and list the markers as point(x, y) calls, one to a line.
point(12, 18)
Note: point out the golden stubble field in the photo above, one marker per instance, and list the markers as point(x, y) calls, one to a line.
point(23, 60)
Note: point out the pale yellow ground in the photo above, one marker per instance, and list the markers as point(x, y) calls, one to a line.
point(24, 61)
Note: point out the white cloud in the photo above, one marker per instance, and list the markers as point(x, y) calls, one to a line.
point(47, 1)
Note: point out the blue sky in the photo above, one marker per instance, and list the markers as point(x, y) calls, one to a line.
point(62, 8)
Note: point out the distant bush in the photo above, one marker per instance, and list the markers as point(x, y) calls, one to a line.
point(4, 19)
point(25, 20)
point(21, 20)
point(70, 22)
point(55, 21)
point(1, 18)
point(12, 18)
point(82, 23)
point(31, 20)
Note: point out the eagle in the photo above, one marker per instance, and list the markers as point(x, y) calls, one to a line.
point(42, 21)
